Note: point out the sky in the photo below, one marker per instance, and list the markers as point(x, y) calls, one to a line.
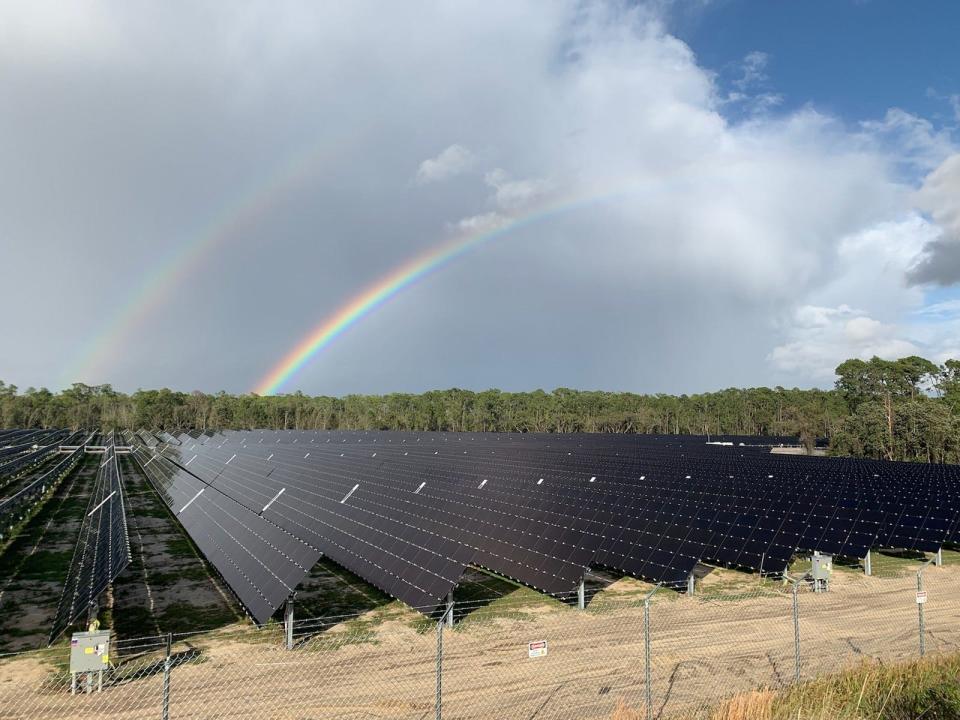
point(663, 196)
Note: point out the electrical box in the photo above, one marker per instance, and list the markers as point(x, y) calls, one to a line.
point(821, 567)
point(90, 651)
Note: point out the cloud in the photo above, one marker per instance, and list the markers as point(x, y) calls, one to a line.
point(939, 263)
point(451, 162)
point(483, 223)
point(515, 194)
point(815, 316)
point(751, 94)
point(753, 69)
point(953, 100)
point(947, 308)
point(865, 309)
point(690, 245)
point(909, 140)
point(817, 349)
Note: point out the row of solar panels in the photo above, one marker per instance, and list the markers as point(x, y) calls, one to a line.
point(25, 436)
point(408, 512)
point(260, 562)
point(15, 504)
point(829, 515)
point(103, 546)
point(20, 458)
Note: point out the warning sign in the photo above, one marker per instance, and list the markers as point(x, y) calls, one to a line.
point(537, 649)
point(921, 597)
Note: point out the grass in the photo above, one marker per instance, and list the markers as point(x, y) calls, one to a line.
point(179, 546)
point(47, 565)
point(885, 563)
point(187, 617)
point(927, 689)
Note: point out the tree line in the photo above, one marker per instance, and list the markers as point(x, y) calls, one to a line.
point(907, 409)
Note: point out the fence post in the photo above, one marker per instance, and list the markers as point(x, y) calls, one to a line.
point(288, 623)
point(646, 659)
point(647, 671)
point(438, 699)
point(166, 678)
point(796, 633)
point(923, 644)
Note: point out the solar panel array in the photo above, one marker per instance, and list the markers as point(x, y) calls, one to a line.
point(103, 546)
point(409, 512)
point(37, 448)
point(259, 560)
point(16, 500)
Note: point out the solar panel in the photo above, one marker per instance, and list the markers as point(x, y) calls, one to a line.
point(19, 498)
point(260, 562)
point(103, 546)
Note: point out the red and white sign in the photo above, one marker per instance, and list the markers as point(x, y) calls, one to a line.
point(537, 649)
point(921, 597)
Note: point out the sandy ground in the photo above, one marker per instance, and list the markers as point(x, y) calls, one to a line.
point(702, 649)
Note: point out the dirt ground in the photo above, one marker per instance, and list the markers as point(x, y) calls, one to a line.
point(736, 634)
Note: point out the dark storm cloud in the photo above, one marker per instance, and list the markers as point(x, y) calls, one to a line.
point(940, 264)
point(940, 197)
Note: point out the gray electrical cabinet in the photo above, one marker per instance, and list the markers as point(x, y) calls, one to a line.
point(89, 653)
point(821, 568)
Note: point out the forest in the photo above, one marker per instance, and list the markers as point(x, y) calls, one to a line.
point(906, 409)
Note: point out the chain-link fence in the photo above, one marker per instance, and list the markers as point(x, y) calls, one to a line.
point(639, 656)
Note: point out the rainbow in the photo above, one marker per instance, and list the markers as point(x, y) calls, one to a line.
point(157, 285)
point(399, 279)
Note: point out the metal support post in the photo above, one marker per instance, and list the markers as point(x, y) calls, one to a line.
point(449, 614)
point(796, 633)
point(166, 679)
point(580, 596)
point(867, 564)
point(938, 558)
point(691, 583)
point(288, 622)
point(438, 700)
point(923, 632)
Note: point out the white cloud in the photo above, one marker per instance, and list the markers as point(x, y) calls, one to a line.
point(947, 308)
point(515, 194)
point(911, 140)
point(753, 69)
point(867, 273)
point(483, 223)
point(953, 100)
point(814, 316)
point(453, 161)
point(815, 350)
